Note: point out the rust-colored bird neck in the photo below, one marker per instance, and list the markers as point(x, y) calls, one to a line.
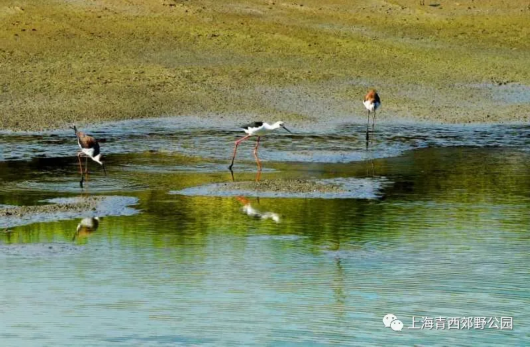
point(371, 95)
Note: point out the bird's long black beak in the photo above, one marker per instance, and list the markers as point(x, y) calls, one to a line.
point(289, 131)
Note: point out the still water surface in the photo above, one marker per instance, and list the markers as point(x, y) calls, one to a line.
point(447, 237)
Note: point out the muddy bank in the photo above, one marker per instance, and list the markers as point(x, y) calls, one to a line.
point(284, 186)
point(67, 208)
point(261, 59)
point(339, 188)
point(77, 205)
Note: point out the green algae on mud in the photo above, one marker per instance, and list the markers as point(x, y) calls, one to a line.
point(86, 62)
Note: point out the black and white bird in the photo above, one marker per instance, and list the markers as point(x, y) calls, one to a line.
point(258, 129)
point(89, 149)
point(372, 102)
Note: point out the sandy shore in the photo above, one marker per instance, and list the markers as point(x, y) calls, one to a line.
point(340, 188)
point(66, 208)
point(85, 62)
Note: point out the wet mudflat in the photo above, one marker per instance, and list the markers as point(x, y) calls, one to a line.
point(443, 233)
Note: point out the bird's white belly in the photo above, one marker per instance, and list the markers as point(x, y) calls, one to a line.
point(370, 106)
point(88, 151)
point(257, 131)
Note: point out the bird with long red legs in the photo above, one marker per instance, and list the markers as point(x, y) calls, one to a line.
point(258, 129)
point(89, 149)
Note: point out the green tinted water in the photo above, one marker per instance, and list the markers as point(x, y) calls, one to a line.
point(448, 238)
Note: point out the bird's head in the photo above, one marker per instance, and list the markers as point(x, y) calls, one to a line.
point(281, 124)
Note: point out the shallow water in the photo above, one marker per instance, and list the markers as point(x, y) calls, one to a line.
point(447, 236)
point(340, 143)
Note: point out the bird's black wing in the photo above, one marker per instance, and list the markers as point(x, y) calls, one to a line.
point(252, 125)
point(96, 148)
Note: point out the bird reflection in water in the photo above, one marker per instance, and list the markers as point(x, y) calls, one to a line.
point(257, 214)
point(86, 227)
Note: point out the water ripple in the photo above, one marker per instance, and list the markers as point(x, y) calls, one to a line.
point(345, 143)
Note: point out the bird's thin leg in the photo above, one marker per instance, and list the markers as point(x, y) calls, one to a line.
point(256, 154)
point(235, 150)
point(80, 168)
point(368, 127)
point(80, 163)
point(373, 122)
point(86, 168)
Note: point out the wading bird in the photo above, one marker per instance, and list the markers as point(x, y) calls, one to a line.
point(259, 129)
point(372, 103)
point(90, 149)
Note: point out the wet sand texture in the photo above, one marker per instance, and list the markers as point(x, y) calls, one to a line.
point(67, 208)
point(340, 188)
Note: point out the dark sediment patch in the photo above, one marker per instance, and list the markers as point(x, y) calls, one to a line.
point(340, 188)
point(67, 208)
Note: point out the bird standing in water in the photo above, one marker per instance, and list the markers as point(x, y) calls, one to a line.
point(90, 149)
point(259, 129)
point(372, 103)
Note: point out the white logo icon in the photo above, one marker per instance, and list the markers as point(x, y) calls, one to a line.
point(391, 321)
point(396, 325)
